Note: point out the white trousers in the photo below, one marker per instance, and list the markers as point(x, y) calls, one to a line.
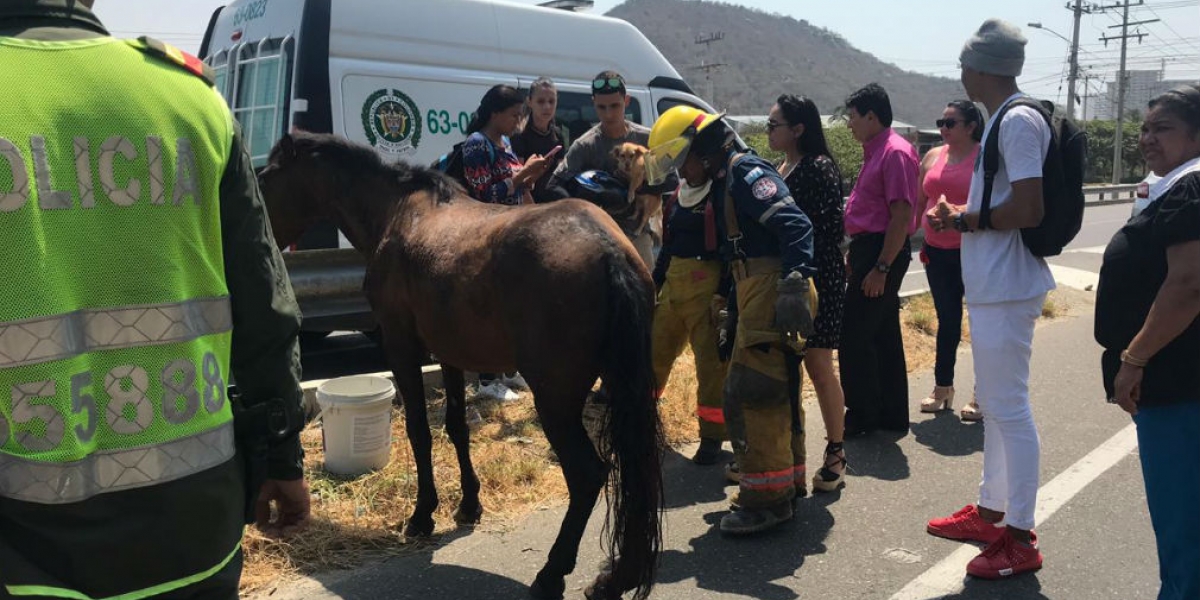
point(1001, 344)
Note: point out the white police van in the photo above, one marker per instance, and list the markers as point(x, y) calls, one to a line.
point(405, 76)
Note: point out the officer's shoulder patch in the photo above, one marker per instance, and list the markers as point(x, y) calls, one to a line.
point(174, 55)
point(764, 188)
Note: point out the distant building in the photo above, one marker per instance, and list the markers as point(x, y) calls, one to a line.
point(1141, 87)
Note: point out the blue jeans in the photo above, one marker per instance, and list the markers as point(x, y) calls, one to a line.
point(1170, 453)
point(944, 272)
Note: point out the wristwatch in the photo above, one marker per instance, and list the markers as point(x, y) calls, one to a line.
point(883, 267)
point(960, 223)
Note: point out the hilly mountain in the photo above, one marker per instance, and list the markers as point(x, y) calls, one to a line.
point(769, 54)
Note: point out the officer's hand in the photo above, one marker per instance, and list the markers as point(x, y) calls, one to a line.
point(716, 306)
point(793, 316)
point(726, 332)
point(292, 507)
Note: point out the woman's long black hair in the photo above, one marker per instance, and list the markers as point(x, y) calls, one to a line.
point(801, 110)
point(498, 99)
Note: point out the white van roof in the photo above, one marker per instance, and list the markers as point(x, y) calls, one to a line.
point(494, 35)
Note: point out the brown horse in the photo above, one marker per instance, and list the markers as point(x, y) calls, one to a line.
point(554, 290)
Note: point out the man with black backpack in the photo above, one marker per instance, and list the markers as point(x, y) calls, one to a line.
point(1024, 204)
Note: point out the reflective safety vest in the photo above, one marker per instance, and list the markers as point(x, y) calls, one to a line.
point(115, 322)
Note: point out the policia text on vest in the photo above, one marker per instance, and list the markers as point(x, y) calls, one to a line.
point(147, 160)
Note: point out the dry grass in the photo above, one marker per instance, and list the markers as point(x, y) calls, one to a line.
point(355, 520)
point(359, 519)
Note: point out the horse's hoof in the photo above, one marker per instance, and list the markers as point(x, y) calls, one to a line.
point(541, 589)
point(419, 527)
point(601, 589)
point(468, 516)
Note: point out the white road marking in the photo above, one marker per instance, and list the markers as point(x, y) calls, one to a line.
point(1087, 250)
point(1079, 279)
point(946, 577)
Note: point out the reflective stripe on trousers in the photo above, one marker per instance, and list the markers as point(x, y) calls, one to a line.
point(114, 470)
point(56, 337)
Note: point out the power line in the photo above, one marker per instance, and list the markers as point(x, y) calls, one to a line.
point(1185, 40)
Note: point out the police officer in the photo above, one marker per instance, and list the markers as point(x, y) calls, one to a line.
point(770, 250)
point(692, 290)
point(141, 278)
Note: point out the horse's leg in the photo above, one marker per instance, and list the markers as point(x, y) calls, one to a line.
point(469, 509)
point(404, 355)
point(561, 417)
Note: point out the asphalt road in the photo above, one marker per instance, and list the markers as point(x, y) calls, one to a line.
point(867, 541)
point(1099, 225)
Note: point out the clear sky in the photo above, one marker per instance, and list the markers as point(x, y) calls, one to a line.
point(917, 35)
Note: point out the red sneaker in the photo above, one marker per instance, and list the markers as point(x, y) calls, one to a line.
point(1006, 557)
point(965, 525)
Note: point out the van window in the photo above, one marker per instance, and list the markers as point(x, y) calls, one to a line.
point(255, 79)
point(666, 104)
point(576, 110)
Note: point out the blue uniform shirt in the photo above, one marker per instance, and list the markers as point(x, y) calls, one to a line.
point(771, 223)
point(684, 232)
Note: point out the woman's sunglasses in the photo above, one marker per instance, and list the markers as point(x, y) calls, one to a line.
point(771, 125)
point(949, 123)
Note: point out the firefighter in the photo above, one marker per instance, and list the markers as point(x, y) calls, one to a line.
point(692, 290)
point(143, 278)
point(769, 247)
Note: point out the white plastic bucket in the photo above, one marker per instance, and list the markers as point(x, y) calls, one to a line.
point(356, 423)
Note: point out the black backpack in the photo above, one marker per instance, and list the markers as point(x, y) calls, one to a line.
point(1062, 180)
point(451, 164)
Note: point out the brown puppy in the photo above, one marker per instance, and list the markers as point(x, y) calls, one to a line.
point(631, 166)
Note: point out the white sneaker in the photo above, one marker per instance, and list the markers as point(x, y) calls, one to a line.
point(516, 382)
point(496, 390)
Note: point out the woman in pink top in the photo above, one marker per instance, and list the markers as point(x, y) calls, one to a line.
point(946, 172)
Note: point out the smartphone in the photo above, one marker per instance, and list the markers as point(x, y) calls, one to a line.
point(549, 155)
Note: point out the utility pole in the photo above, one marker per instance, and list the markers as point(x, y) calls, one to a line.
point(709, 67)
point(1122, 78)
point(1078, 9)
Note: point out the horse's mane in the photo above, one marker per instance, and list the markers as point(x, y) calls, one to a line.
point(360, 160)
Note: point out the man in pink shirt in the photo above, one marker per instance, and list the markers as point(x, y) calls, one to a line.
point(879, 219)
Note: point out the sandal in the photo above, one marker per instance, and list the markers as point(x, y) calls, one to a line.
point(971, 412)
point(826, 479)
point(941, 398)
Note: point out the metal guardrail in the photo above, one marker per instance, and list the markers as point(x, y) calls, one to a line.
point(1108, 193)
point(328, 286)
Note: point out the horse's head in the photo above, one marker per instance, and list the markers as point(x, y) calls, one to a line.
point(295, 188)
point(312, 177)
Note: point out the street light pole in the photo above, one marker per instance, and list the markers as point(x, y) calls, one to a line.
point(1071, 97)
point(1074, 60)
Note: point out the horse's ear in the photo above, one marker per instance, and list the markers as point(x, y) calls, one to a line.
point(287, 146)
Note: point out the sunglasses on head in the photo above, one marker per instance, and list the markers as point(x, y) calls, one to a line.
point(949, 123)
point(608, 82)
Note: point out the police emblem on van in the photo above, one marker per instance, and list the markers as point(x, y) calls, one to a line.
point(390, 120)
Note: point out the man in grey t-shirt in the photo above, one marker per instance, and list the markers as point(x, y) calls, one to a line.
point(593, 151)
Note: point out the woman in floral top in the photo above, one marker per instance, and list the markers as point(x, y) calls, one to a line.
point(493, 172)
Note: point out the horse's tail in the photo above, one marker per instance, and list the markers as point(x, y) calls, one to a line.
point(633, 431)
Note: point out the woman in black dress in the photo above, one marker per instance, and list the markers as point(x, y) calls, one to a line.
point(794, 127)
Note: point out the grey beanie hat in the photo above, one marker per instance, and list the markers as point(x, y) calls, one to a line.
point(998, 48)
